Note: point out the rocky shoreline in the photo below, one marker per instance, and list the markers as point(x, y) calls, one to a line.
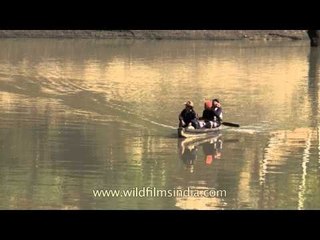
point(161, 34)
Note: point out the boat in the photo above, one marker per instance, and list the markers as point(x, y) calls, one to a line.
point(196, 133)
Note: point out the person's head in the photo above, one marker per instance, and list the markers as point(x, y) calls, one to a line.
point(207, 104)
point(189, 104)
point(216, 103)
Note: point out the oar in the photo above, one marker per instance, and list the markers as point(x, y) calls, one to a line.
point(230, 124)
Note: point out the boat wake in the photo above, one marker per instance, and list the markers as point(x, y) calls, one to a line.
point(247, 129)
point(120, 108)
point(162, 125)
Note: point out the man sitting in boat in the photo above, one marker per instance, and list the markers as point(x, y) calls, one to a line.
point(207, 115)
point(212, 114)
point(217, 112)
point(188, 116)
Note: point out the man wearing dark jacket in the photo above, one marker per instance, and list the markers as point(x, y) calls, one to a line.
point(188, 115)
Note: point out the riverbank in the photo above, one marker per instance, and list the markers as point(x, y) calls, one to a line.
point(161, 34)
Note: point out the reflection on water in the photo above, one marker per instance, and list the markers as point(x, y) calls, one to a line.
point(295, 152)
point(77, 115)
point(188, 151)
point(211, 147)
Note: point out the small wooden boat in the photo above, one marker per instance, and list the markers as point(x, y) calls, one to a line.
point(195, 133)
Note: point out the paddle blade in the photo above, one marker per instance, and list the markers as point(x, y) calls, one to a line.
point(230, 124)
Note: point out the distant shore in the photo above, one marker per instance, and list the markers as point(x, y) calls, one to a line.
point(161, 34)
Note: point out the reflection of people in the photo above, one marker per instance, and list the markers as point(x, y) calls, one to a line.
point(188, 155)
point(212, 150)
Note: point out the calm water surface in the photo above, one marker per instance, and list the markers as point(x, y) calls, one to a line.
point(82, 115)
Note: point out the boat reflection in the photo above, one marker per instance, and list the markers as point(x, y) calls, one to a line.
point(189, 148)
point(195, 152)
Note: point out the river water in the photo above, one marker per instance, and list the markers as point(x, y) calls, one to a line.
point(78, 116)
